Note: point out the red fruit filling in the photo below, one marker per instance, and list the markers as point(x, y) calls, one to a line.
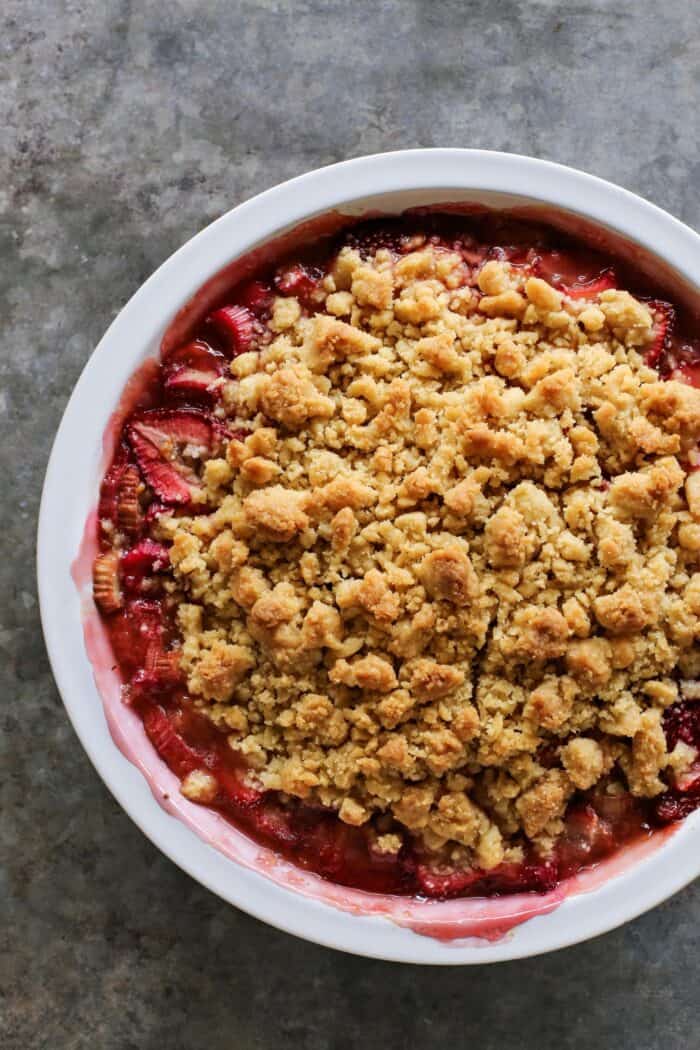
point(256, 296)
point(298, 280)
point(157, 470)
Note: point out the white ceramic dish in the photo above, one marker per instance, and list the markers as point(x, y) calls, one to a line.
point(255, 882)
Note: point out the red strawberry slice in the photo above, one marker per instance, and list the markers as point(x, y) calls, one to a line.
point(163, 478)
point(237, 325)
point(155, 437)
point(194, 370)
point(178, 755)
point(590, 289)
point(167, 427)
point(664, 319)
point(193, 383)
point(256, 296)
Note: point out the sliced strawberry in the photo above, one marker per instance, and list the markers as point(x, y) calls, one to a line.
point(590, 289)
point(163, 478)
point(194, 370)
point(298, 280)
point(664, 319)
point(193, 383)
point(256, 296)
point(105, 582)
point(141, 562)
point(235, 789)
point(178, 755)
point(237, 325)
point(155, 437)
point(166, 427)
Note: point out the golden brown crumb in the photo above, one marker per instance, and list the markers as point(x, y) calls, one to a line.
point(461, 534)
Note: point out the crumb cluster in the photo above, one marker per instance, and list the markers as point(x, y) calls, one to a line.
point(451, 577)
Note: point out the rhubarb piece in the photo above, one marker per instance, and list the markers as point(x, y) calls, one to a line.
point(177, 754)
point(106, 589)
point(156, 438)
point(161, 672)
point(129, 515)
point(664, 319)
point(237, 325)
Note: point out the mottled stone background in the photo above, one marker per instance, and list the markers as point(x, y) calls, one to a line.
point(124, 128)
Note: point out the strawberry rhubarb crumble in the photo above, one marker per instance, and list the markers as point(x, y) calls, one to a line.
point(401, 558)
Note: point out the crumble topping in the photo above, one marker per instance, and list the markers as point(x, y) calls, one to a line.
point(451, 576)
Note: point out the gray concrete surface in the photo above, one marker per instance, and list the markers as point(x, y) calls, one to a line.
point(125, 126)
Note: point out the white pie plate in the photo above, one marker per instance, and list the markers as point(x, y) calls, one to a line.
point(239, 872)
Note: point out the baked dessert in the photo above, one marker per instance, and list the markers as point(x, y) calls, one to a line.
point(401, 558)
